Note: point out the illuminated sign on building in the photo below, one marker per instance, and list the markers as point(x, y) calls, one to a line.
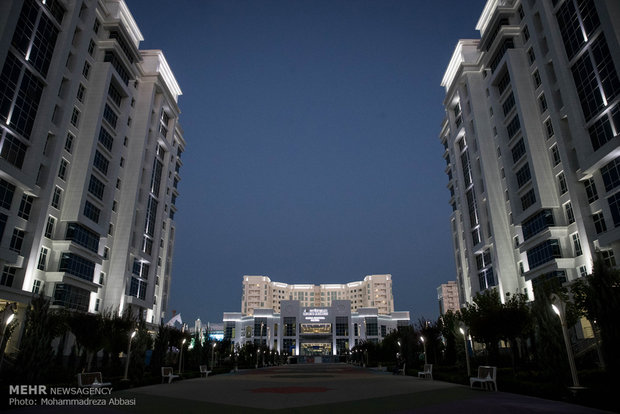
point(315, 315)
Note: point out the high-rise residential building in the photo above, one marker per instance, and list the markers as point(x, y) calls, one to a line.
point(448, 297)
point(375, 291)
point(89, 159)
point(531, 144)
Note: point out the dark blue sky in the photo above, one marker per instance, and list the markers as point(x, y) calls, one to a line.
point(312, 151)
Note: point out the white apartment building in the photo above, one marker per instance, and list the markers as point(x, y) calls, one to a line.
point(448, 297)
point(89, 159)
point(375, 291)
point(531, 144)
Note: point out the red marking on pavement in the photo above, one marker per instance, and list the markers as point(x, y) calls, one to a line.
point(290, 390)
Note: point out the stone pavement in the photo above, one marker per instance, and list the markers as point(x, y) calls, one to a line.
point(320, 388)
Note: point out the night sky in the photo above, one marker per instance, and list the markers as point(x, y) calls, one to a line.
point(312, 144)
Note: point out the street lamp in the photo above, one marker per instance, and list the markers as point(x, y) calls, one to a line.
point(559, 307)
point(128, 354)
point(257, 356)
point(424, 344)
point(181, 355)
point(4, 326)
point(212, 355)
point(463, 330)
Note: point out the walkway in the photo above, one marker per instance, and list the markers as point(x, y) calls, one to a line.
point(323, 388)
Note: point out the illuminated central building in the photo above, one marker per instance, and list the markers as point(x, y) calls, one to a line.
point(314, 321)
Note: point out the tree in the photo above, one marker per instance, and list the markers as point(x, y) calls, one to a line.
point(482, 317)
point(597, 297)
point(36, 353)
point(88, 331)
point(448, 326)
point(516, 324)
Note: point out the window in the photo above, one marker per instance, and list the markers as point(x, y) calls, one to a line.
point(523, 175)
point(508, 104)
point(91, 47)
point(13, 150)
point(537, 223)
point(96, 26)
point(25, 206)
point(77, 266)
point(115, 95)
point(593, 65)
point(562, 183)
point(83, 236)
point(608, 258)
point(42, 259)
point(583, 271)
point(36, 286)
point(574, 34)
point(71, 297)
point(81, 93)
point(555, 153)
point(100, 162)
point(526, 33)
point(3, 220)
point(96, 187)
point(371, 327)
point(543, 253)
point(611, 174)
point(528, 199)
point(513, 127)
point(503, 83)
point(69, 142)
point(20, 92)
point(75, 117)
point(577, 245)
point(549, 128)
point(600, 132)
point(591, 190)
point(531, 57)
point(536, 78)
point(105, 138)
point(17, 240)
point(599, 222)
point(110, 116)
point(8, 275)
point(6, 194)
point(62, 170)
point(91, 211)
point(49, 227)
point(518, 151)
point(542, 103)
point(117, 65)
point(570, 216)
point(56, 197)
point(86, 70)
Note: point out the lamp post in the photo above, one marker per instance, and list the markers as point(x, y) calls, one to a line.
point(424, 344)
point(213, 356)
point(463, 330)
point(181, 356)
point(257, 356)
point(128, 354)
point(559, 307)
point(3, 327)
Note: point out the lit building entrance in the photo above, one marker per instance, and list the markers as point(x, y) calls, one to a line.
point(316, 349)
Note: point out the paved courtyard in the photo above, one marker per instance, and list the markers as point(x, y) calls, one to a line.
point(321, 388)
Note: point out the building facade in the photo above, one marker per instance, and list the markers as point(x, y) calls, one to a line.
point(374, 291)
point(531, 144)
point(448, 297)
point(311, 331)
point(89, 159)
